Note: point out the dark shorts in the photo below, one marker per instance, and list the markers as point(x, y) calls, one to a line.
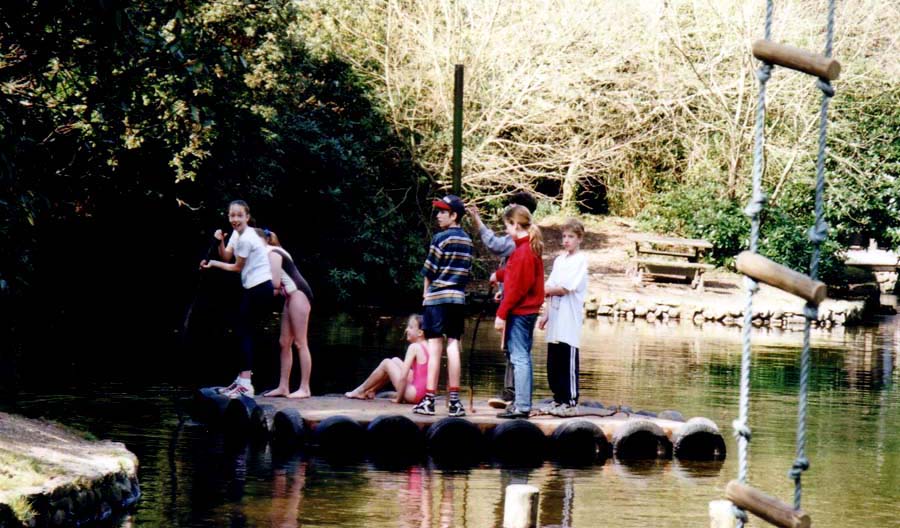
point(444, 320)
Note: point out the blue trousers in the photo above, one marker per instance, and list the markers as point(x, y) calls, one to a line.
point(519, 337)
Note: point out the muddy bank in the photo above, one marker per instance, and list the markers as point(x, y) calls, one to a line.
point(54, 476)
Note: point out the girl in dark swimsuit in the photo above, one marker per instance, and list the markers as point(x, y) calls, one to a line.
point(294, 318)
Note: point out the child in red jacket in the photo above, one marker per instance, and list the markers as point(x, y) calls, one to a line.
point(523, 295)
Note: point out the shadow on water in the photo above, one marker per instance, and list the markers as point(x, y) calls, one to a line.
point(192, 475)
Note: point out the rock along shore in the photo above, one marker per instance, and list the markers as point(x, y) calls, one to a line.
point(53, 476)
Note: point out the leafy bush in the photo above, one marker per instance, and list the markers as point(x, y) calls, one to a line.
point(699, 211)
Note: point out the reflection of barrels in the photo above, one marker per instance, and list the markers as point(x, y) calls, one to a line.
point(579, 442)
point(518, 442)
point(699, 439)
point(671, 415)
point(394, 438)
point(209, 406)
point(339, 437)
point(288, 428)
point(239, 414)
point(640, 439)
point(454, 441)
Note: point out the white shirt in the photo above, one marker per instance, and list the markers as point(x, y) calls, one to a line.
point(249, 246)
point(566, 313)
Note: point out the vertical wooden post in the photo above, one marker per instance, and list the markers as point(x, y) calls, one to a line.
point(457, 128)
point(521, 506)
point(721, 514)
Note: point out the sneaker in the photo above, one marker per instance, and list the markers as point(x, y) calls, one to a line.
point(564, 410)
point(513, 413)
point(240, 390)
point(455, 408)
point(426, 406)
point(550, 408)
point(225, 390)
point(499, 403)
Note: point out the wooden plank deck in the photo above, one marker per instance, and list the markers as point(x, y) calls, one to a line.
point(315, 409)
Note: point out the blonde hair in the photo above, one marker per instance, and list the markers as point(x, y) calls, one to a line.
point(519, 215)
point(573, 225)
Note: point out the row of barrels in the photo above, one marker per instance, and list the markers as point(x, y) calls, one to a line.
point(458, 441)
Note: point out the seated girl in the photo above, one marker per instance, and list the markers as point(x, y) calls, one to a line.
point(408, 375)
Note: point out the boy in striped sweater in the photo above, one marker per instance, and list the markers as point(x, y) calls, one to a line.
point(446, 272)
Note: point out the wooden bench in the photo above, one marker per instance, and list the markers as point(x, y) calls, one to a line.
point(691, 249)
point(680, 258)
point(671, 269)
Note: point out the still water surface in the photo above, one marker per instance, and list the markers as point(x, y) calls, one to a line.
point(191, 476)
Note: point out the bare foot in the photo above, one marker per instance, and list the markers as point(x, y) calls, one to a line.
point(301, 393)
point(370, 395)
point(276, 392)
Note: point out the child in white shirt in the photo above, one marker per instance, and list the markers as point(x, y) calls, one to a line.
point(565, 290)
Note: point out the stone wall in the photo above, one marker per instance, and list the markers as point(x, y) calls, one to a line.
point(831, 313)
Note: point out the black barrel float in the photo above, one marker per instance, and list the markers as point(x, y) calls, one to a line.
point(210, 405)
point(579, 442)
point(675, 416)
point(518, 442)
point(288, 428)
point(340, 437)
point(262, 423)
point(239, 414)
point(640, 439)
point(699, 439)
point(592, 403)
point(454, 441)
point(394, 438)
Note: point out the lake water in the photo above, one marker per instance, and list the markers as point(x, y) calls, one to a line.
point(191, 476)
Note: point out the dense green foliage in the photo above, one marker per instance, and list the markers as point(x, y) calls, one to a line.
point(138, 121)
point(862, 197)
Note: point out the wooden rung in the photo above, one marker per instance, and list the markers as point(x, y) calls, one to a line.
point(766, 507)
point(774, 274)
point(797, 59)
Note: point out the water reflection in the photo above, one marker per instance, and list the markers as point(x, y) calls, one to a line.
point(191, 476)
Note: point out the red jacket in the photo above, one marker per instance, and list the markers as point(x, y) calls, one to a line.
point(523, 282)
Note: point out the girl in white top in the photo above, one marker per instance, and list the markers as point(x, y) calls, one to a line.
point(565, 290)
point(294, 319)
point(251, 261)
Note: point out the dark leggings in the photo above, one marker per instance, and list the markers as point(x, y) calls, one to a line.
point(255, 302)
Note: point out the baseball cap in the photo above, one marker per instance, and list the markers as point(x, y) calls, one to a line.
point(451, 203)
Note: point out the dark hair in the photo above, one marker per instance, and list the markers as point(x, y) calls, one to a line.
point(240, 203)
point(269, 236)
point(525, 199)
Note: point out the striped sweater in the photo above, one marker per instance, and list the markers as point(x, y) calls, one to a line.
point(447, 267)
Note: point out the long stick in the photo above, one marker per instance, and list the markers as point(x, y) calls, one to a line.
point(472, 352)
point(212, 251)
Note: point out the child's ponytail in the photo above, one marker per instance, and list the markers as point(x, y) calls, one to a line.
point(520, 216)
point(536, 238)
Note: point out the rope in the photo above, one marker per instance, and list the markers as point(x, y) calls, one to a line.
point(817, 234)
point(754, 208)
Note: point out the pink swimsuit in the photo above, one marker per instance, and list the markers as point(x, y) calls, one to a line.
point(420, 375)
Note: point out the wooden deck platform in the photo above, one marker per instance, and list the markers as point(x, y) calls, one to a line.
point(364, 425)
point(318, 408)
